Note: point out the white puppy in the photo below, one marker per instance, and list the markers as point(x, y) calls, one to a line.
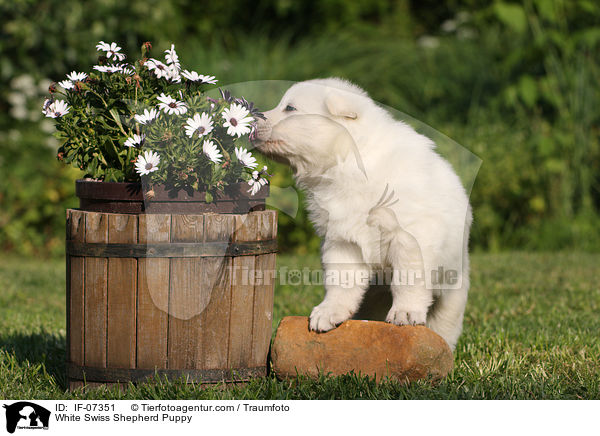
point(380, 197)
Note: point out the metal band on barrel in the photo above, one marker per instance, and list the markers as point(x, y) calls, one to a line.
point(173, 249)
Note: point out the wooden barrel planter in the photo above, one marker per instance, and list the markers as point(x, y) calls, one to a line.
point(169, 294)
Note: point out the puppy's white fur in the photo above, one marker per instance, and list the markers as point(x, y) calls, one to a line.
point(379, 196)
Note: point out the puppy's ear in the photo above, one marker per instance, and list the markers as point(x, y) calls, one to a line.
point(342, 104)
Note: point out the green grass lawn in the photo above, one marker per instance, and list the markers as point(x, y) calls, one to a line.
point(531, 332)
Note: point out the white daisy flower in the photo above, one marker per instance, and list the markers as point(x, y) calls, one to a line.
point(66, 84)
point(147, 117)
point(237, 120)
point(56, 109)
point(245, 157)
point(135, 140)
point(161, 70)
point(193, 76)
point(173, 74)
point(112, 50)
point(158, 68)
point(207, 79)
point(103, 46)
point(76, 77)
point(147, 163)
point(203, 124)
point(128, 70)
point(108, 68)
point(211, 151)
point(101, 68)
point(256, 182)
point(171, 106)
point(171, 57)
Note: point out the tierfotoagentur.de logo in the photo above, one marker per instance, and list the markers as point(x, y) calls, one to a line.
point(26, 415)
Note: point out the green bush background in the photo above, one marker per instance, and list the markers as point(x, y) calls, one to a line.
point(515, 83)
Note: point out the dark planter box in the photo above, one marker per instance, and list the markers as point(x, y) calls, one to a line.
point(111, 197)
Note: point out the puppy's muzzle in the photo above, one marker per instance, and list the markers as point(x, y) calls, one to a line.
point(263, 130)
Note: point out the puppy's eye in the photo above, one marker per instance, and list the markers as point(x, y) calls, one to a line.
point(289, 108)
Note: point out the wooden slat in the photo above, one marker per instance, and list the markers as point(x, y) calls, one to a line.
point(75, 294)
point(153, 295)
point(96, 230)
point(186, 296)
point(242, 295)
point(215, 318)
point(263, 291)
point(122, 299)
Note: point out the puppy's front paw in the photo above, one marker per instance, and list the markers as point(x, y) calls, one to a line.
point(403, 317)
point(326, 316)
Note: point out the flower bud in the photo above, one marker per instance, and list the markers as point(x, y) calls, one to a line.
point(146, 47)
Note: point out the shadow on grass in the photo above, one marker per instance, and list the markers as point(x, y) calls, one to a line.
point(41, 348)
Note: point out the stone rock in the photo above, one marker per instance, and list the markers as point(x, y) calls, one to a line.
point(374, 348)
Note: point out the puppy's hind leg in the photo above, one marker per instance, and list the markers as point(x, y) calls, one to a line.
point(346, 278)
point(411, 297)
point(400, 249)
point(410, 304)
point(446, 315)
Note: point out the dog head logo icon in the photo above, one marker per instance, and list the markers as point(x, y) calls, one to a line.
point(26, 415)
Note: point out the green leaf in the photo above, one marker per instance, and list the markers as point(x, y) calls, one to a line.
point(113, 175)
point(117, 119)
point(547, 9)
point(512, 15)
point(528, 90)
